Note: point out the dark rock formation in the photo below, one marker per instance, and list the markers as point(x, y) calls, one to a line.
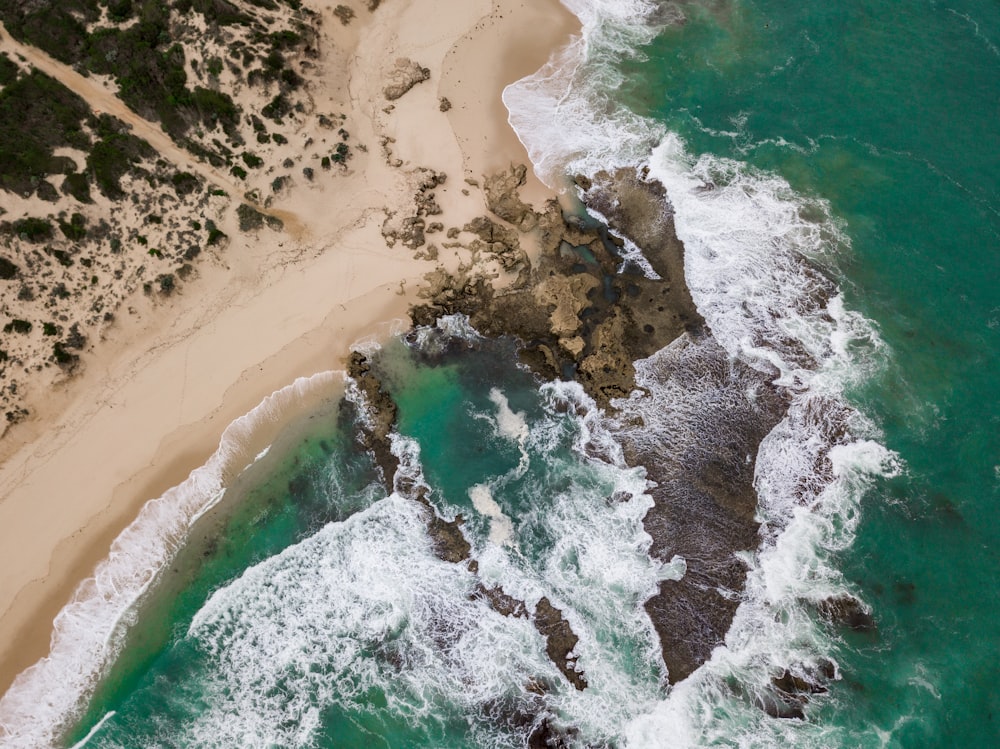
point(847, 611)
point(404, 76)
point(500, 602)
point(575, 314)
point(378, 419)
point(697, 431)
point(699, 418)
point(560, 641)
point(450, 544)
point(502, 197)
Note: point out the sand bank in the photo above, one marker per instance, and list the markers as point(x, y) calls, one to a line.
point(156, 395)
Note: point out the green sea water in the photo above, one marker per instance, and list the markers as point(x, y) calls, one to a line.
point(890, 111)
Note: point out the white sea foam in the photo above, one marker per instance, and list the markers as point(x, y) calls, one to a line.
point(565, 114)
point(501, 528)
point(297, 634)
point(758, 261)
point(90, 631)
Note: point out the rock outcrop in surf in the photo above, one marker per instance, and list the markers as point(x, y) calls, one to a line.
point(633, 338)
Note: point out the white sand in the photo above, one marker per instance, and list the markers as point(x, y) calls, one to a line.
point(155, 397)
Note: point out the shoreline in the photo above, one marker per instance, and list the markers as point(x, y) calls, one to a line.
point(152, 403)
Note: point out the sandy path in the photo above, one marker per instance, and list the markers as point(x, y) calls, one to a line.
point(104, 101)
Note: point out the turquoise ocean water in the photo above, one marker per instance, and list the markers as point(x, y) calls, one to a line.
point(308, 608)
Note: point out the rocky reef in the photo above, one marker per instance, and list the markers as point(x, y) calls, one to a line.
point(693, 418)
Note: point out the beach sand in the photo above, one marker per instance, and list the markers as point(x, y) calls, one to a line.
point(156, 395)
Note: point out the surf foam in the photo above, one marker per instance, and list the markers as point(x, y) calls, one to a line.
point(760, 261)
point(90, 631)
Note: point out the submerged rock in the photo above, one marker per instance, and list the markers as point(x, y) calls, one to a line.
point(847, 611)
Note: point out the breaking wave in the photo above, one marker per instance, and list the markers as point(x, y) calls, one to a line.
point(90, 631)
point(760, 261)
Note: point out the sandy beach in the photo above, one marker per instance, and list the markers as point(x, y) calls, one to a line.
point(155, 396)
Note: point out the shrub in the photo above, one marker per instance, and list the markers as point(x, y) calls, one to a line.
point(8, 70)
point(184, 183)
point(215, 108)
point(46, 191)
point(62, 257)
point(114, 155)
point(76, 184)
point(7, 269)
point(167, 283)
point(33, 229)
point(37, 115)
point(250, 218)
point(278, 107)
point(75, 229)
point(17, 326)
point(215, 234)
point(64, 358)
point(252, 160)
point(49, 328)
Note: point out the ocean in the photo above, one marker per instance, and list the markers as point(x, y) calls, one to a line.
point(834, 173)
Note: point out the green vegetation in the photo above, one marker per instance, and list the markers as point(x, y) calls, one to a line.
point(148, 67)
point(215, 234)
point(33, 229)
point(50, 328)
point(344, 13)
point(278, 107)
point(76, 184)
point(184, 183)
point(37, 115)
point(239, 172)
point(17, 326)
point(8, 70)
point(221, 12)
point(250, 218)
point(114, 155)
point(167, 283)
point(7, 269)
point(75, 229)
point(215, 108)
point(63, 358)
point(252, 160)
point(46, 191)
point(63, 257)
point(56, 27)
point(120, 10)
point(341, 154)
